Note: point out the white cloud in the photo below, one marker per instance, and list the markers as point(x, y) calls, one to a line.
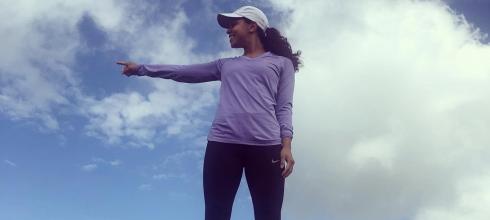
point(10, 163)
point(169, 109)
point(472, 203)
point(184, 165)
point(115, 162)
point(391, 111)
point(89, 167)
point(39, 44)
point(106, 162)
point(34, 86)
point(164, 176)
point(145, 187)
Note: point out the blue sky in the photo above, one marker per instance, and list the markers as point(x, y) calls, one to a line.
point(80, 141)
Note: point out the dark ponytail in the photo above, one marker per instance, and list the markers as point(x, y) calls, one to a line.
point(273, 41)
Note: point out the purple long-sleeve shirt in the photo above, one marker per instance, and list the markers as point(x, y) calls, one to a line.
point(256, 96)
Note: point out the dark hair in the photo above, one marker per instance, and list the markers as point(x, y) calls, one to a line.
point(273, 41)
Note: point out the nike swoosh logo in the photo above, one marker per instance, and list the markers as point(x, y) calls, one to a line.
point(275, 161)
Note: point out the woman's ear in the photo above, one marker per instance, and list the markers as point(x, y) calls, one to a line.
point(252, 27)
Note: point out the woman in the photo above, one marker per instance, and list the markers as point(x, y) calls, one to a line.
point(252, 129)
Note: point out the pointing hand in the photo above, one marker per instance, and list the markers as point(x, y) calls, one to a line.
point(129, 68)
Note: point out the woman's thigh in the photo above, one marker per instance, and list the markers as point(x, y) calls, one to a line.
point(222, 173)
point(264, 178)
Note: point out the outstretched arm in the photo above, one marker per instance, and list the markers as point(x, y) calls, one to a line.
point(194, 73)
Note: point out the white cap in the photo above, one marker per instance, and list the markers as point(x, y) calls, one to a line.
point(250, 12)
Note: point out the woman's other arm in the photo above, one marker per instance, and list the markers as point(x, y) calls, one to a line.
point(284, 113)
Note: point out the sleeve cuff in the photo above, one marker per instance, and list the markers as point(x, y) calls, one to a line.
point(287, 134)
point(141, 71)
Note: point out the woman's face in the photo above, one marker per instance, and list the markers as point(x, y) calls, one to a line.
point(238, 32)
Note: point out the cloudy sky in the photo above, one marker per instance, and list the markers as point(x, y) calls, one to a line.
point(391, 109)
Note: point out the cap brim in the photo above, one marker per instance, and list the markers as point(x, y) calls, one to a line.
point(226, 19)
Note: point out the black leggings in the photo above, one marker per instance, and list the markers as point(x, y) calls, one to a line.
point(223, 168)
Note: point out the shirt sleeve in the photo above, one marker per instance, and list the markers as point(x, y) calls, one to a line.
point(194, 73)
point(284, 106)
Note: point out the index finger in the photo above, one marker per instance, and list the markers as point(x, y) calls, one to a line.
point(122, 63)
point(285, 168)
point(289, 167)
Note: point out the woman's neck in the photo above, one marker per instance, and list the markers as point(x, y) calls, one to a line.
point(253, 48)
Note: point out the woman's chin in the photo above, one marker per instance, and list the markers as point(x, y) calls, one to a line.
point(233, 44)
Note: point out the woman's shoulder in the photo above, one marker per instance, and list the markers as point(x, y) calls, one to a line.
point(223, 60)
point(269, 57)
point(279, 57)
point(283, 61)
